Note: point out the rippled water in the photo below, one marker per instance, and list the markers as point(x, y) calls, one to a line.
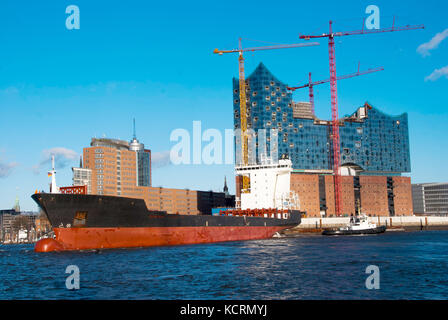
point(412, 265)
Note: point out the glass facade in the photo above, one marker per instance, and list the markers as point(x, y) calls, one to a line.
point(144, 168)
point(371, 140)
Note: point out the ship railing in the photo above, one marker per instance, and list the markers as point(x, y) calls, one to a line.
point(262, 213)
point(73, 190)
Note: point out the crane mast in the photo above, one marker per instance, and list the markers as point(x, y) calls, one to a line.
point(243, 100)
point(243, 118)
point(335, 124)
point(334, 99)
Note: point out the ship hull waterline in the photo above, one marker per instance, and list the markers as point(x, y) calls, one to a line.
point(116, 222)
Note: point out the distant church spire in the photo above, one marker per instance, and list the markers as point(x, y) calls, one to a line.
point(17, 205)
point(225, 189)
point(80, 161)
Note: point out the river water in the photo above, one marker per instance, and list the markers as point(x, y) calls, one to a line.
point(412, 265)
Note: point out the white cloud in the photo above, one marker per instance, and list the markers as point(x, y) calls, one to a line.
point(160, 159)
point(438, 73)
point(424, 48)
point(6, 168)
point(62, 157)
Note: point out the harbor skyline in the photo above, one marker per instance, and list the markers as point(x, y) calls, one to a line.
point(62, 87)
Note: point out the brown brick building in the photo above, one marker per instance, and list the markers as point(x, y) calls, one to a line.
point(118, 168)
point(374, 195)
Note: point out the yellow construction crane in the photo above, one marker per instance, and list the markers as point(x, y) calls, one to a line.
point(242, 84)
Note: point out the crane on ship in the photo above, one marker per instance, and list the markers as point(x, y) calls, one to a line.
point(242, 94)
point(310, 85)
point(334, 98)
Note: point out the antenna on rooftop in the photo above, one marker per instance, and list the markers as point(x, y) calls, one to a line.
point(135, 137)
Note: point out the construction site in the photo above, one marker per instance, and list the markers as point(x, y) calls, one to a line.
point(341, 167)
point(374, 151)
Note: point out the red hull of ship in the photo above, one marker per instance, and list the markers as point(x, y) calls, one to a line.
point(103, 238)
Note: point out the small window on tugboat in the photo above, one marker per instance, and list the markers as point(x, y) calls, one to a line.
point(80, 219)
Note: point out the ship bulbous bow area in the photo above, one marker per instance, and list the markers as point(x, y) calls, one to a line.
point(48, 245)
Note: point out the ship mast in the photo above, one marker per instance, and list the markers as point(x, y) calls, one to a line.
point(53, 187)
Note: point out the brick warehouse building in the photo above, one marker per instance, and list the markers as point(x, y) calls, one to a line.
point(120, 168)
point(374, 150)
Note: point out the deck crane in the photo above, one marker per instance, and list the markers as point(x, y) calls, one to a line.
point(242, 89)
point(334, 98)
point(311, 84)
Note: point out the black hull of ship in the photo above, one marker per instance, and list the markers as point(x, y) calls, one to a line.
point(95, 222)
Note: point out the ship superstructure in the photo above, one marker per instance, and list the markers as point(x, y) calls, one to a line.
point(270, 184)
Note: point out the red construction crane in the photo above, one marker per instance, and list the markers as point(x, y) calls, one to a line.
point(311, 84)
point(334, 98)
point(242, 88)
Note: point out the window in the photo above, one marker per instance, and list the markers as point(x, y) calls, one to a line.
point(80, 219)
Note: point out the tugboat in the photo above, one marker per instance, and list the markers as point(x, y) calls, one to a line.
point(357, 225)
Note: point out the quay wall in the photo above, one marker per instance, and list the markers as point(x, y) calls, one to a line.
point(400, 222)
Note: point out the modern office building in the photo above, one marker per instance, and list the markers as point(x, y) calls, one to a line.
point(430, 198)
point(114, 167)
point(374, 149)
point(82, 177)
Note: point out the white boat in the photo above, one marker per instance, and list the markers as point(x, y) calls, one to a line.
point(358, 225)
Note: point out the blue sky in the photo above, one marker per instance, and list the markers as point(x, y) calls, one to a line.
point(153, 61)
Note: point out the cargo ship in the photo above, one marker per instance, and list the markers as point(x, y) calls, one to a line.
point(83, 221)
